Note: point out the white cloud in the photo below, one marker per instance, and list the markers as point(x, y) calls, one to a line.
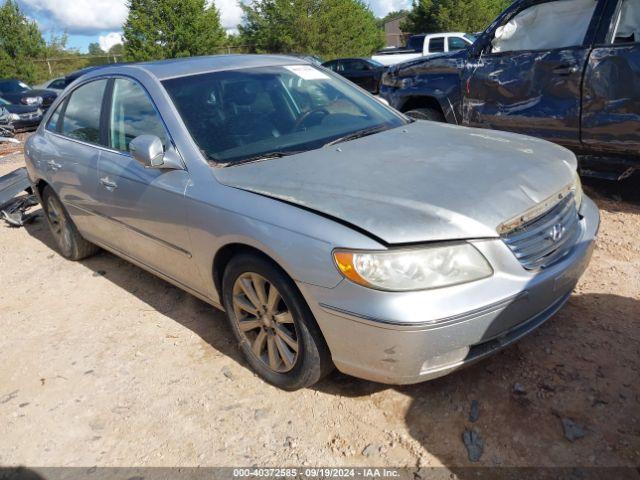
point(109, 40)
point(230, 14)
point(81, 16)
point(382, 7)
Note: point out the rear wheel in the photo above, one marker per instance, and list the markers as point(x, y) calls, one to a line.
point(274, 327)
point(426, 114)
point(69, 241)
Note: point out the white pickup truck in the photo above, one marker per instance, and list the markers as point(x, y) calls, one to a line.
point(425, 44)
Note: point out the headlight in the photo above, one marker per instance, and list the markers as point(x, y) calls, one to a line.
point(577, 190)
point(14, 117)
point(414, 269)
point(33, 100)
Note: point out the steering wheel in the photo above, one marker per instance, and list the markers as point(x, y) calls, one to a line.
point(307, 115)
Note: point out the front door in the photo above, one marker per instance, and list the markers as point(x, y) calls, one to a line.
point(611, 99)
point(529, 76)
point(360, 73)
point(146, 205)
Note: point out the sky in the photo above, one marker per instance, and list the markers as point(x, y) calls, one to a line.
point(88, 21)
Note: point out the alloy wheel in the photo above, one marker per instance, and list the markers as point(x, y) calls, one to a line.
point(265, 322)
point(58, 223)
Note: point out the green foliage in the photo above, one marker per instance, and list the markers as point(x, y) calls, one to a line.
point(94, 49)
point(157, 29)
point(117, 49)
point(430, 16)
point(325, 28)
point(20, 43)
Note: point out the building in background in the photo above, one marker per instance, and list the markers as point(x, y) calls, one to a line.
point(394, 37)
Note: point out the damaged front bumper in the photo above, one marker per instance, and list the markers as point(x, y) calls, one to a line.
point(409, 337)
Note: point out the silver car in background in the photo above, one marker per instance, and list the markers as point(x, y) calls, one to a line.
point(333, 230)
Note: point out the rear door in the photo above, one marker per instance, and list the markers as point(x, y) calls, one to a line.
point(611, 95)
point(69, 152)
point(528, 76)
point(146, 206)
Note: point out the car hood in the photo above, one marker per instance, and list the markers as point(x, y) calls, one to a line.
point(422, 182)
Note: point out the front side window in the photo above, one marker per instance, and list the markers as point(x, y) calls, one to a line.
point(243, 114)
point(627, 28)
point(132, 115)
point(544, 27)
point(81, 119)
point(456, 43)
point(436, 45)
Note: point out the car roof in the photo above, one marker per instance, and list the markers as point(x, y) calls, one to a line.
point(179, 67)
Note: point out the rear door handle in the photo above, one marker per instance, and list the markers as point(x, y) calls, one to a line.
point(565, 70)
point(108, 184)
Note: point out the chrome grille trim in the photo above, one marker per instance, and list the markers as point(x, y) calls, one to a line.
point(532, 242)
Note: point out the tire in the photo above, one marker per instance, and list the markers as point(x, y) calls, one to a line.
point(71, 244)
point(269, 331)
point(426, 114)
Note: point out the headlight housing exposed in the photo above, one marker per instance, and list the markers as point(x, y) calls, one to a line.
point(432, 266)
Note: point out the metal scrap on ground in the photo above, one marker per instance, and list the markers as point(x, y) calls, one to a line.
point(13, 208)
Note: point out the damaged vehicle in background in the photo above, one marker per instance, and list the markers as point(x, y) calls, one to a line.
point(567, 71)
point(19, 93)
point(21, 118)
point(332, 229)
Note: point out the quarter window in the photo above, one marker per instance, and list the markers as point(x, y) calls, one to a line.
point(81, 118)
point(132, 115)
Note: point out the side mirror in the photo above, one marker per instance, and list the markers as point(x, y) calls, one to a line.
point(149, 152)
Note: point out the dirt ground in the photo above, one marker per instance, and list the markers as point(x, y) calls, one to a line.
point(103, 364)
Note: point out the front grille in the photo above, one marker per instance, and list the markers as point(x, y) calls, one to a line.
point(546, 239)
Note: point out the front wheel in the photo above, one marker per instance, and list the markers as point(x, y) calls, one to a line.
point(274, 327)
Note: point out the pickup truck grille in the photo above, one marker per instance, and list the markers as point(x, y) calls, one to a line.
point(545, 240)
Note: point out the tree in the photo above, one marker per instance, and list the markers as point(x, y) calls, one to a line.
point(429, 16)
point(157, 29)
point(117, 49)
point(326, 28)
point(94, 49)
point(20, 43)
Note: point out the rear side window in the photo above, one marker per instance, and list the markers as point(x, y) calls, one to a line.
point(81, 119)
point(436, 45)
point(132, 115)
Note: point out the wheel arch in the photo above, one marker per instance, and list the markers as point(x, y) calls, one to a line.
point(428, 101)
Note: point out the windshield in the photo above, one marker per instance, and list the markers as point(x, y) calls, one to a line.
point(241, 115)
point(13, 86)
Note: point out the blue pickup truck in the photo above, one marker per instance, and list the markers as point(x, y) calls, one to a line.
point(567, 71)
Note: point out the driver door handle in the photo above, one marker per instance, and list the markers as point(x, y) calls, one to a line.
point(565, 70)
point(108, 184)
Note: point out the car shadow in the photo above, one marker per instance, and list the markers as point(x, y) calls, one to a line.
point(198, 316)
point(623, 196)
point(579, 366)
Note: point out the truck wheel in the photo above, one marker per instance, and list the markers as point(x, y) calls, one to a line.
point(69, 241)
point(273, 325)
point(426, 114)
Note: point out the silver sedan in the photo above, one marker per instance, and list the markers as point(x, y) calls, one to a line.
point(333, 230)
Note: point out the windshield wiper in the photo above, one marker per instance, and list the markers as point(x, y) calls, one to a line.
point(357, 134)
point(262, 156)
